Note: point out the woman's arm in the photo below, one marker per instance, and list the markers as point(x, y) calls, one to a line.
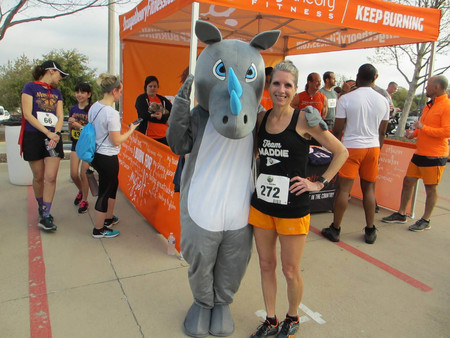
point(331, 143)
point(141, 106)
point(117, 138)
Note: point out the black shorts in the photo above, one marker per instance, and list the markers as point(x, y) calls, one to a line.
point(34, 146)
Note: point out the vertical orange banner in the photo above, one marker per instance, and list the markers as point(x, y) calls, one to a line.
point(146, 173)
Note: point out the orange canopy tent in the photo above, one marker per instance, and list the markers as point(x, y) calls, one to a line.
point(156, 34)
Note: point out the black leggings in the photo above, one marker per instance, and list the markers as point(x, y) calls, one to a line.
point(108, 177)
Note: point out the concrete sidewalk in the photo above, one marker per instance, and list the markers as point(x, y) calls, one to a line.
point(129, 287)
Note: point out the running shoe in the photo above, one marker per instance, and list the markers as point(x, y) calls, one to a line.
point(46, 223)
point(84, 205)
point(395, 218)
point(265, 329)
point(370, 234)
point(104, 233)
point(289, 328)
point(78, 198)
point(109, 222)
point(420, 225)
point(331, 233)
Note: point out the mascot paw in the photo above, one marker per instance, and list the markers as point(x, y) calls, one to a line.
point(196, 323)
point(313, 117)
point(185, 90)
point(222, 324)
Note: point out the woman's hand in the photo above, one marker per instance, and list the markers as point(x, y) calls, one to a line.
point(54, 139)
point(300, 185)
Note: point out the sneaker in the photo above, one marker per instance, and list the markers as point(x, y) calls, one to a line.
point(420, 225)
point(46, 223)
point(395, 218)
point(370, 235)
point(104, 233)
point(109, 222)
point(78, 198)
point(84, 205)
point(288, 328)
point(265, 329)
point(331, 233)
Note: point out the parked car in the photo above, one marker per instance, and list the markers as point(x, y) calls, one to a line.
point(410, 121)
point(4, 114)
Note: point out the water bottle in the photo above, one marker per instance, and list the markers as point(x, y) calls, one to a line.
point(171, 245)
point(51, 151)
point(92, 181)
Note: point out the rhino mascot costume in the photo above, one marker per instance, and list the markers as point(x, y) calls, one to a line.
point(216, 182)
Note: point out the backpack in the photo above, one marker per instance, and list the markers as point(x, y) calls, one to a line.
point(86, 146)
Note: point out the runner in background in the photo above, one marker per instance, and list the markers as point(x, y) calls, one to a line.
point(363, 114)
point(41, 142)
point(329, 81)
point(78, 118)
point(430, 158)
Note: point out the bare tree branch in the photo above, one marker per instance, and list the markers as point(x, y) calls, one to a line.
point(58, 9)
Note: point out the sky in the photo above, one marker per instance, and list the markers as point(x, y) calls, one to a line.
point(87, 32)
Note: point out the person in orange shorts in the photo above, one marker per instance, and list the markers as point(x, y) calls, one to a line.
point(428, 162)
point(280, 204)
point(364, 114)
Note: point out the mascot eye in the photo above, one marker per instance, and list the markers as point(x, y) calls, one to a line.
point(219, 70)
point(251, 74)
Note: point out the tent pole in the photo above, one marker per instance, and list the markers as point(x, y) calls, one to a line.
point(111, 38)
point(193, 45)
point(433, 51)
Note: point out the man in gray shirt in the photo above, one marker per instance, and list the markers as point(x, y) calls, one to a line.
point(329, 81)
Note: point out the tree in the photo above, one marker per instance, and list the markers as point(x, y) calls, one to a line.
point(16, 12)
point(14, 75)
point(419, 55)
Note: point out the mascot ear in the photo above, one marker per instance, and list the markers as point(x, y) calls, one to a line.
point(265, 40)
point(206, 32)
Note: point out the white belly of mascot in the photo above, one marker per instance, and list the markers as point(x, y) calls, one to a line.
point(221, 185)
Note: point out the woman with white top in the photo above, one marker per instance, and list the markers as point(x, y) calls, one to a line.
point(107, 125)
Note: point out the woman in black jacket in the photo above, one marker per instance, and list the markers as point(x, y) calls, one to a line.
point(154, 109)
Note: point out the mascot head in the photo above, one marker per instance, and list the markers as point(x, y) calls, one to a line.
point(229, 79)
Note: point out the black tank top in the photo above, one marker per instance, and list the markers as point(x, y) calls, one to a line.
point(282, 156)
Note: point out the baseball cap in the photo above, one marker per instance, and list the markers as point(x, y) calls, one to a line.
point(50, 64)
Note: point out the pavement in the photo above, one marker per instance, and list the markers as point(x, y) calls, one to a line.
point(68, 284)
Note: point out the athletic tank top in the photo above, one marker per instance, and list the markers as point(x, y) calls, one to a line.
point(282, 156)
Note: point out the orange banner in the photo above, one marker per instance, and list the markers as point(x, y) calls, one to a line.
point(146, 173)
point(394, 160)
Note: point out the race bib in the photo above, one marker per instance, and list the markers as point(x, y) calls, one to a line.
point(76, 134)
point(273, 189)
point(332, 103)
point(47, 119)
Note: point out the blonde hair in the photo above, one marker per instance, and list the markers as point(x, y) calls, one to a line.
point(108, 82)
point(286, 66)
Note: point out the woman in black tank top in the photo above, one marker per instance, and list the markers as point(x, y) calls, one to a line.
point(280, 203)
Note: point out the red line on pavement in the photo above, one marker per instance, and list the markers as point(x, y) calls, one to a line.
point(37, 287)
point(396, 273)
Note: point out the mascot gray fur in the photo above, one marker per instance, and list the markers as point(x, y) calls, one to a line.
point(216, 182)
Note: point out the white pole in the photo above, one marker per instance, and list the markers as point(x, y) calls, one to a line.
point(193, 46)
point(111, 39)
